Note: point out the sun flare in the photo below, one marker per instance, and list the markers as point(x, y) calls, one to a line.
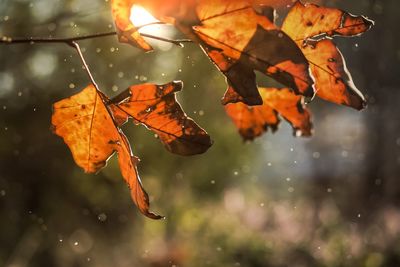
point(140, 17)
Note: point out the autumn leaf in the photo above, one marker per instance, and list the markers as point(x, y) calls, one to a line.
point(312, 27)
point(87, 126)
point(253, 121)
point(239, 41)
point(156, 107)
point(127, 32)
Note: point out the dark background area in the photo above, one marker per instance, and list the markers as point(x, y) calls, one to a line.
point(330, 200)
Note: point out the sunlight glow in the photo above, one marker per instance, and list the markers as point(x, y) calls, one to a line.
point(140, 16)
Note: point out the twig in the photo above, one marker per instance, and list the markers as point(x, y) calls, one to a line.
point(78, 49)
point(69, 40)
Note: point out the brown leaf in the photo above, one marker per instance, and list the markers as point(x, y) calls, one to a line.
point(236, 38)
point(310, 26)
point(333, 81)
point(156, 107)
point(127, 32)
point(239, 40)
point(87, 127)
point(306, 21)
point(253, 121)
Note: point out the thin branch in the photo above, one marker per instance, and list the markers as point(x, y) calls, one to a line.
point(69, 40)
point(78, 49)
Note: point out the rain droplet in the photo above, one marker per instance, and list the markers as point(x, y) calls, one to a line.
point(102, 217)
point(316, 155)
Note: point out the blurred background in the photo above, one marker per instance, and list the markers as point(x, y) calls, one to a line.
point(330, 200)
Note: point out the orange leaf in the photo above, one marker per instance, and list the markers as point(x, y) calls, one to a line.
point(253, 121)
point(310, 26)
point(236, 38)
point(87, 127)
point(310, 21)
point(127, 32)
point(156, 107)
point(239, 40)
point(333, 81)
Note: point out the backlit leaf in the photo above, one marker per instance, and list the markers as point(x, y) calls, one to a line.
point(87, 127)
point(253, 121)
point(156, 107)
point(311, 27)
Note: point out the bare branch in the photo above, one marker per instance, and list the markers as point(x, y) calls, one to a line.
point(69, 40)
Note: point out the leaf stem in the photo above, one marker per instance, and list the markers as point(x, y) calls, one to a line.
point(78, 49)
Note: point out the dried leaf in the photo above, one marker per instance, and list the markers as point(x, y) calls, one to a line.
point(236, 38)
point(127, 32)
point(87, 127)
point(239, 40)
point(311, 26)
point(156, 107)
point(306, 21)
point(253, 121)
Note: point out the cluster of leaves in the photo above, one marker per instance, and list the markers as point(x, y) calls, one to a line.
point(240, 37)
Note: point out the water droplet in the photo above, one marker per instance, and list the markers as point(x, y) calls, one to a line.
point(316, 155)
point(71, 86)
point(291, 189)
point(212, 181)
point(76, 243)
point(102, 217)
